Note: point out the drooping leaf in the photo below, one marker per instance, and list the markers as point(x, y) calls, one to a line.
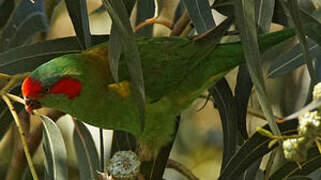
point(87, 154)
point(314, 30)
point(26, 20)
point(55, 151)
point(79, 16)
point(296, 18)
point(6, 8)
point(292, 59)
point(245, 20)
point(225, 103)
point(265, 14)
point(254, 148)
point(26, 58)
point(292, 169)
point(242, 94)
point(145, 10)
point(119, 16)
point(155, 169)
point(225, 7)
point(201, 15)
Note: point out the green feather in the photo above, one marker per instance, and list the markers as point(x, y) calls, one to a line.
point(174, 76)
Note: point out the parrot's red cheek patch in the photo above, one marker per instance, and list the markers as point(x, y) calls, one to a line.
point(68, 86)
point(31, 88)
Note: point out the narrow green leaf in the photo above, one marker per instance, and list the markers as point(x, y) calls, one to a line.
point(26, 20)
point(296, 18)
point(242, 91)
point(314, 30)
point(87, 154)
point(145, 10)
point(265, 14)
point(26, 58)
point(292, 169)
point(289, 61)
point(254, 148)
point(299, 178)
point(114, 50)
point(245, 20)
point(226, 105)
point(55, 151)
point(79, 16)
point(119, 16)
point(201, 15)
point(6, 8)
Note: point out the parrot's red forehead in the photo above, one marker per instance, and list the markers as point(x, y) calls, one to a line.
point(68, 86)
point(31, 88)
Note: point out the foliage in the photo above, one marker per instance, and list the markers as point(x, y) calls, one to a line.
point(23, 29)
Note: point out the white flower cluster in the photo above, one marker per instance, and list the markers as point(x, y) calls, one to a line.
point(123, 165)
point(309, 128)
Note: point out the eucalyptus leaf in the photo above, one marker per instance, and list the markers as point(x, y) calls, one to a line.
point(242, 91)
point(6, 8)
point(26, 58)
point(296, 18)
point(119, 16)
point(86, 151)
point(292, 59)
point(26, 20)
point(55, 151)
point(226, 105)
point(145, 10)
point(292, 169)
point(265, 14)
point(79, 16)
point(254, 148)
point(245, 20)
point(201, 15)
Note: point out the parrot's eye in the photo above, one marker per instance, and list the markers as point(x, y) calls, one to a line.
point(47, 90)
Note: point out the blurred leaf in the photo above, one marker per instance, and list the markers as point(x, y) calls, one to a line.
point(50, 6)
point(299, 178)
point(145, 10)
point(254, 148)
point(292, 59)
point(226, 105)
point(114, 51)
point(55, 151)
point(296, 18)
point(242, 94)
point(201, 15)
point(312, 105)
point(87, 154)
point(253, 170)
point(26, 20)
point(245, 20)
point(6, 8)
point(280, 15)
point(225, 7)
point(265, 14)
point(154, 169)
point(26, 58)
point(79, 16)
point(119, 16)
point(314, 28)
point(292, 169)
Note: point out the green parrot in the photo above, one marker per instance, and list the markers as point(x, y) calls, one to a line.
point(176, 71)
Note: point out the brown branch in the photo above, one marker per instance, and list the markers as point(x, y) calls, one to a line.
point(181, 24)
point(152, 21)
point(181, 169)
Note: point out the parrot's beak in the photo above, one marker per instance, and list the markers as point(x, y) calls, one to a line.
point(31, 104)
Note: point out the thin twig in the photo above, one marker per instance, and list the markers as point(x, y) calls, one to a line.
point(13, 80)
point(152, 21)
point(5, 77)
point(22, 136)
point(181, 169)
point(181, 24)
point(15, 98)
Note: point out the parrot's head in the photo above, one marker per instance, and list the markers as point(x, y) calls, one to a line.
point(54, 84)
